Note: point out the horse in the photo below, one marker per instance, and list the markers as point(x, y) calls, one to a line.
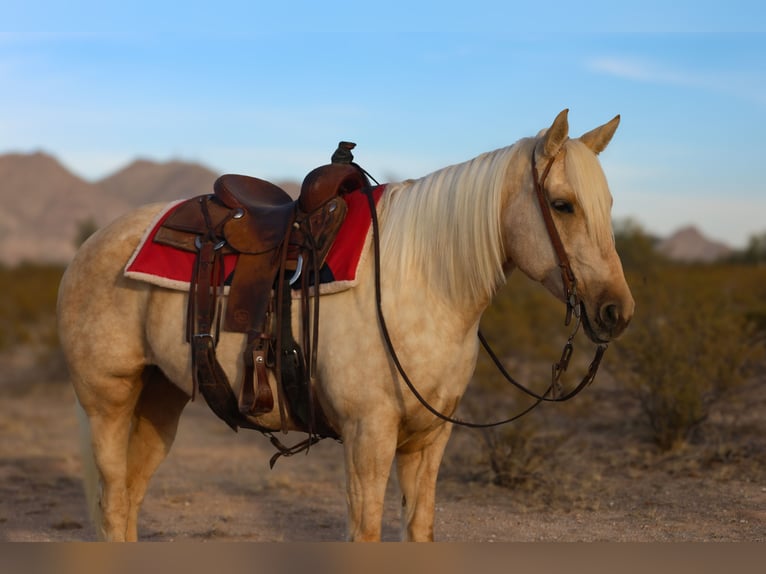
point(447, 243)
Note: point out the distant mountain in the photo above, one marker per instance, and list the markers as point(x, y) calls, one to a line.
point(146, 181)
point(43, 206)
point(691, 246)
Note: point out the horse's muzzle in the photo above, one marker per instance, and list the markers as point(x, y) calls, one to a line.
point(611, 319)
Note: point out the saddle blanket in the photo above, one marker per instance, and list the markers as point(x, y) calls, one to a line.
point(169, 267)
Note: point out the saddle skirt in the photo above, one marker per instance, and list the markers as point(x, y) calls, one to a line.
point(169, 267)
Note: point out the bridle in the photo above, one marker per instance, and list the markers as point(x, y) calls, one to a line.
point(573, 302)
point(567, 275)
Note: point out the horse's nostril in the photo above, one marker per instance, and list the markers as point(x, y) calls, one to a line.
point(610, 314)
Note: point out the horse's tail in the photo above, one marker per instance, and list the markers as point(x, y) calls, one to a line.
point(91, 480)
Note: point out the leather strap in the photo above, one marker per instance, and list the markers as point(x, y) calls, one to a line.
point(255, 393)
point(567, 275)
point(202, 332)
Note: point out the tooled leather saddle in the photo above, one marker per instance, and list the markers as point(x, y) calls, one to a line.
point(278, 241)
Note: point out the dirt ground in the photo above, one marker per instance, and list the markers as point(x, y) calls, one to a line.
point(600, 481)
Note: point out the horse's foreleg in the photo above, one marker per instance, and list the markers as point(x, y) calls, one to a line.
point(369, 449)
point(154, 429)
point(417, 468)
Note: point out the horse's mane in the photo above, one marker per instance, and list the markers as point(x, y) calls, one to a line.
point(591, 190)
point(434, 225)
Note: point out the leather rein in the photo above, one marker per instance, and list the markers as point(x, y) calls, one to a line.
point(574, 307)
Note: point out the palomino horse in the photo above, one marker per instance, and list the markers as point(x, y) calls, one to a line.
point(448, 241)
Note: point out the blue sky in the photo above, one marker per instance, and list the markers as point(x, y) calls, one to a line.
point(269, 88)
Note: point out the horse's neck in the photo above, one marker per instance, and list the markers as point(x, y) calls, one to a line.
point(447, 229)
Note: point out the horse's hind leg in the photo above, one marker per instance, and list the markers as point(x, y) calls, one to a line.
point(108, 430)
point(155, 423)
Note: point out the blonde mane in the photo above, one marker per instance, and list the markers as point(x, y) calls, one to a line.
point(447, 226)
point(592, 192)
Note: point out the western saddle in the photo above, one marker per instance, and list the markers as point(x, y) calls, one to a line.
point(278, 241)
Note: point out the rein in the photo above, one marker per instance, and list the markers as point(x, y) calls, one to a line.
point(574, 306)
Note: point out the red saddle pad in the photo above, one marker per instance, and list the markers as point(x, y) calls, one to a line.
point(167, 266)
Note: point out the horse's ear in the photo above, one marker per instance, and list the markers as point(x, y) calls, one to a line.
point(598, 139)
point(556, 135)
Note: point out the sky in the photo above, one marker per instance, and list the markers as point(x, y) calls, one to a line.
point(269, 88)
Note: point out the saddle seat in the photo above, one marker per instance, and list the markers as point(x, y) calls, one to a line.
point(262, 212)
point(257, 196)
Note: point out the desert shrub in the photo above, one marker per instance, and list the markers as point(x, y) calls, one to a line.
point(636, 247)
point(754, 253)
point(691, 342)
point(85, 229)
point(517, 453)
point(28, 305)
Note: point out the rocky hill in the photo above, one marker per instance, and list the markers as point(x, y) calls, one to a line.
point(146, 181)
point(689, 245)
point(44, 207)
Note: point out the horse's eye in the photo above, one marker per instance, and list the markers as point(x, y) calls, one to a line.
point(562, 206)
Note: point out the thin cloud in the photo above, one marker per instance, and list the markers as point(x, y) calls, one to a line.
point(744, 84)
point(642, 71)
